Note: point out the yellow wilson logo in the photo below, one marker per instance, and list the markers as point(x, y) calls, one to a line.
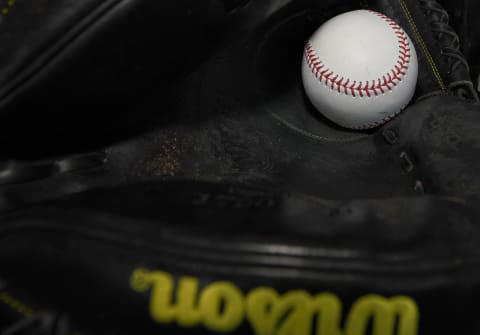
point(222, 307)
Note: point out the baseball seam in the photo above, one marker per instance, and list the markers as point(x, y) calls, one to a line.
point(370, 88)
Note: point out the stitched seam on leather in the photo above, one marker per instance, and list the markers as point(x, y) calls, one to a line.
point(15, 305)
point(312, 136)
point(370, 88)
point(6, 9)
point(423, 46)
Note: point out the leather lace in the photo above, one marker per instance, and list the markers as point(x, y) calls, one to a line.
point(450, 47)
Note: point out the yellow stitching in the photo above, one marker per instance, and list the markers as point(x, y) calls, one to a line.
point(422, 43)
point(16, 305)
point(5, 10)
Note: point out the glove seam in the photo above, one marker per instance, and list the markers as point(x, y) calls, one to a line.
point(423, 45)
point(15, 304)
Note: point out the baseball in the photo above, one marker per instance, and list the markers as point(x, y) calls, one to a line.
point(360, 69)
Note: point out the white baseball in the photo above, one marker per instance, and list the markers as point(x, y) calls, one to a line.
point(360, 69)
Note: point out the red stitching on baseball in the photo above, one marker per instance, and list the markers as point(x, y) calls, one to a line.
point(382, 84)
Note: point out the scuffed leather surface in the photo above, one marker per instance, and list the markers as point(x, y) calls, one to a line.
point(72, 66)
point(441, 133)
point(237, 178)
point(247, 235)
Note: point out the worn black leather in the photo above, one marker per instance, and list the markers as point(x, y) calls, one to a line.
point(443, 67)
point(81, 255)
point(78, 71)
point(230, 179)
point(463, 16)
point(441, 144)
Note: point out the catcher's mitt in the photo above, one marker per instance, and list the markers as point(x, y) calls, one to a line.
point(229, 206)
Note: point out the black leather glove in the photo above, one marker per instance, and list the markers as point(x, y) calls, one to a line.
point(241, 210)
point(75, 73)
